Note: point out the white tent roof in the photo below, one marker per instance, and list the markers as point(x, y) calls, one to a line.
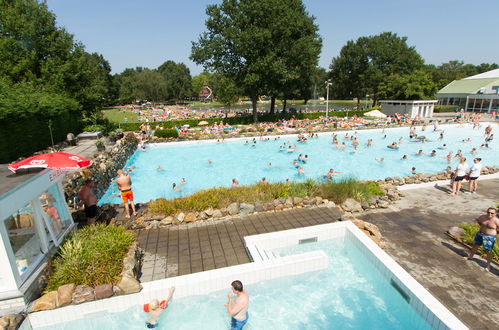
point(488, 74)
point(375, 113)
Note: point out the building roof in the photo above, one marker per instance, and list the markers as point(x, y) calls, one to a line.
point(469, 86)
point(488, 74)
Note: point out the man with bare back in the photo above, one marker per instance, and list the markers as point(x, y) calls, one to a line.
point(489, 225)
point(125, 186)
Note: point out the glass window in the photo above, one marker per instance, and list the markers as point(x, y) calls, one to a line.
point(55, 210)
point(23, 237)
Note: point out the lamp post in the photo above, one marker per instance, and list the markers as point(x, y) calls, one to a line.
point(328, 83)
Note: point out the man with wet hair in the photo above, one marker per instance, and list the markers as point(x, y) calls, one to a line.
point(238, 308)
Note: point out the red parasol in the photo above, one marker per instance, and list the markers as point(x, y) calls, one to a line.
point(56, 160)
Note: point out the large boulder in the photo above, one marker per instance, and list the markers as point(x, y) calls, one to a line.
point(46, 302)
point(217, 214)
point(351, 205)
point(233, 209)
point(259, 207)
point(190, 217)
point(456, 232)
point(128, 285)
point(246, 208)
point(65, 294)
point(83, 293)
point(11, 321)
point(103, 291)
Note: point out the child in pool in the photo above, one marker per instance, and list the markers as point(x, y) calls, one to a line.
point(155, 308)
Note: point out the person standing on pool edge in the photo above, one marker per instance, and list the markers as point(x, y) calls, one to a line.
point(238, 309)
point(125, 186)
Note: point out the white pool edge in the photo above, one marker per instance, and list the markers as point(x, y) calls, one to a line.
point(186, 285)
point(425, 304)
point(442, 182)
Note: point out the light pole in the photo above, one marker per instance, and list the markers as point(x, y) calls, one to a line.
point(328, 83)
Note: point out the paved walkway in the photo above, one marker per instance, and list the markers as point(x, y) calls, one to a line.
point(180, 250)
point(414, 229)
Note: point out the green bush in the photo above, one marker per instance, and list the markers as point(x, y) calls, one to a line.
point(94, 128)
point(91, 256)
point(446, 108)
point(470, 230)
point(263, 193)
point(244, 120)
point(166, 133)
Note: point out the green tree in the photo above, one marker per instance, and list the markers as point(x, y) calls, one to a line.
point(177, 78)
point(149, 85)
point(415, 86)
point(364, 64)
point(445, 73)
point(264, 46)
point(226, 91)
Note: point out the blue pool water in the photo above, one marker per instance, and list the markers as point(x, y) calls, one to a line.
point(234, 159)
point(349, 294)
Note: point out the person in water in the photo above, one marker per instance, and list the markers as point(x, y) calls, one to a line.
point(155, 308)
point(238, 308)
point(235, 183)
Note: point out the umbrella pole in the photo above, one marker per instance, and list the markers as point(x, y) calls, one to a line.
point(51, 137)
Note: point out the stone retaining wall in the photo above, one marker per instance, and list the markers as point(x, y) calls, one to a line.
point(103, 169)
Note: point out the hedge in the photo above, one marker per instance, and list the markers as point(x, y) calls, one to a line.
point(446, 108)
point(244, 120)
point(166, 133)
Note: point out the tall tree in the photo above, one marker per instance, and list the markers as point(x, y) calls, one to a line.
point(177, 78)
point(263, 46)
point(226, 91)
point(364, 64)
point(415, 86)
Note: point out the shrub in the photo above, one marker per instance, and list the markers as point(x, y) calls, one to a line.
point(94, 128)
point(91, 256)
point(166, 133)
point(470, 230)
point(446, 108)
point(263, 193)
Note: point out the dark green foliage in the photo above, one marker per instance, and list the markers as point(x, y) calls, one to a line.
point(414, 86)
point(178, 80)
point(445, 108)
point(91, 256)
point(244, 120)
point(166, 133)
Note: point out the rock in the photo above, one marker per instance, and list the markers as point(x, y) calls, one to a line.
point(167, 221)
point(190, 217)
point(276, 202)
point(268, 206)
point(83, 293)
point(46, 302)
point(217, 214)
point(180, 217)
point(331, 204)
point(318, 200)
point(351, 205)
point(209, 212)
point(282, 200)
point(4, 323)
point(259, 207)
point(154, 224)
point(365, 205)
point(14, 320)
point(279, 207)
point(203, 216)
point(128, 285)
point(392, 195)
point(233, 209)
point(383, 204)
point(347, 216)
point(456, 232)
point(224, 211)
point(246, 208)
point(297, 200)
point(103, 291)
point(289, 203)
point(65, 294)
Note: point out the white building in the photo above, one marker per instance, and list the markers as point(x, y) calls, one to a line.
point(420, 108)
point(478, 93)
point(35, 218)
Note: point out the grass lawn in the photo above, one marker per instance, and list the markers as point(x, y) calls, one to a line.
point(118, 116)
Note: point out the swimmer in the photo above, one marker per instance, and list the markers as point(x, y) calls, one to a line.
point(175, 188)
point(369, 142)
point(413, 171)
point(404, 157)
point(420, 153)
point(380, 159)
point(155, 308)
point(441, 137)
point(300, 170)
point(444, 146)
point(210, 161)
point(305, 159)
point(272, 166)
point(459, 154)
point(247, 142)
point(290, 149)
point(295, 163)
point(489, 138)
point(300, 158)
point(450, 156)
point(466, 140)
point(332, 173)
point(394, 145)
point(264, 181)
point(473, 151)
point(484, 146)
point(433, 153)
point(343, 146)
point(159, 168)
point(235, 183)
point(183, 181)
point(384, 137)
point(400, 139)
point(288, 181)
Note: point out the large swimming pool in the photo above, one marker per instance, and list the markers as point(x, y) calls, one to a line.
point(349, 294)
point(249, 164)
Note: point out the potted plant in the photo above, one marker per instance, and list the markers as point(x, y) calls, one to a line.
point(112, 136)
point(100, 145)
point(119, 133)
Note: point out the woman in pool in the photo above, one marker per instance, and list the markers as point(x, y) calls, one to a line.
point(175, 188)
point(394, 146)
point(473, 151)
point(459, 174)
point(433, 153)
point(420, 153)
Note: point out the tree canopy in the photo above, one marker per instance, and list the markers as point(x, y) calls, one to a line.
point(266, 47)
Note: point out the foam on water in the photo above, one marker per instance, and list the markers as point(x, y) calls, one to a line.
point(349, 294)
point(234, 159)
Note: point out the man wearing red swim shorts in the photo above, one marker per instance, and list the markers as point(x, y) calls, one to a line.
point(125, 186)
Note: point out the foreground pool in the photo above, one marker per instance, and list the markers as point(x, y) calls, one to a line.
point(248, 164)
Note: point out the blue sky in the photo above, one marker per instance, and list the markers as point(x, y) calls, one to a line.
point(130, 33)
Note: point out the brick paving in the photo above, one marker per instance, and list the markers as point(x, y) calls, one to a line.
point(186, 249)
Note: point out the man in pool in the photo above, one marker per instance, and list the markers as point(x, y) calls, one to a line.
point(238, 309)
point(489, 225)
point(125, 186)
point(154, 308)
